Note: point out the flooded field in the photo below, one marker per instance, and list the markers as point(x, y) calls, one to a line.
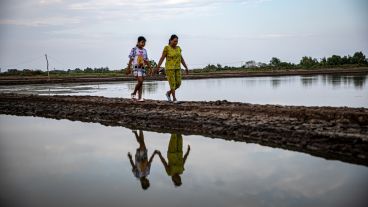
point(47, 162)
point(320, 90)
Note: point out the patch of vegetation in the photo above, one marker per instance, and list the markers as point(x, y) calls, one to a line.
point(358, 59)
point(335, 61)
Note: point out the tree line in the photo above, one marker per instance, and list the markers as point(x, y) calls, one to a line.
point(30, 72)
point(358, 59)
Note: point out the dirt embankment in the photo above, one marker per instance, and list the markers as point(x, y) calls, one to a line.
point(19, 80)
point(331, 132)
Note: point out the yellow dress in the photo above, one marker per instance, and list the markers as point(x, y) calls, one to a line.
point(175, 155)
point(173, 57)
point(173, 66)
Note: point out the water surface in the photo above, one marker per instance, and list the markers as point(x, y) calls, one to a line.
point(318, 90)
point(47, 162)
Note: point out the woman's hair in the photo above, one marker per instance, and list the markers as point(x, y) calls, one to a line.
point(173, 37)
point(141, 38)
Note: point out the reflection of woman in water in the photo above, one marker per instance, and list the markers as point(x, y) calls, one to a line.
point(142, 166)
point(175, 165)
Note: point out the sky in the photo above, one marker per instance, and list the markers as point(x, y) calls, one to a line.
point(100, 33)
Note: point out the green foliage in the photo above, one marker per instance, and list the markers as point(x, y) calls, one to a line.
point(211, 67)
point(153, 64)
point(275, 62)
point(308, 62)
point(24, 72)
point(323, 62)
point(358, 59)
point(334, 60)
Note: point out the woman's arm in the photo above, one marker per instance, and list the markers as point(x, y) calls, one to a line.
point(131, 160)
point(162, 160)
point(128, 71)
point(184, 64)
point(186, 154)
point(163, 56)
point(152, 156)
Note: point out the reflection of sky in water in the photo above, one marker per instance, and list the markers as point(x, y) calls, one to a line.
point(322, 90)
point(62, 163)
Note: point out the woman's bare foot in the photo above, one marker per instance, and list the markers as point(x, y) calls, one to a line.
point(168, 96)
point(133, 96)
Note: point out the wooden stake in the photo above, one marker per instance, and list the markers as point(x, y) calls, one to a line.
point(47, 62)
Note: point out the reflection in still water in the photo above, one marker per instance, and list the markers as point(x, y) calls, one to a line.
point(80, 164)
point(175, 161)
point(174, 166)
point(358, 81)
point(309, 80)
point(142, 166)
point(275, 81)
point(284, 90)
point(149, 87)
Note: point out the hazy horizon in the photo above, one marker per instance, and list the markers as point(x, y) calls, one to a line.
point(96, 33)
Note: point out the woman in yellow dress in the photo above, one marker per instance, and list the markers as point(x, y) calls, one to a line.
point(174, 59)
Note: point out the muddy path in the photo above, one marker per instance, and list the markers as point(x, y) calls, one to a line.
point(337, 133)
point(21, 80)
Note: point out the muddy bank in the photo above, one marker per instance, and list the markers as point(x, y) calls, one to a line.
point(330, 132)
point(44, 80)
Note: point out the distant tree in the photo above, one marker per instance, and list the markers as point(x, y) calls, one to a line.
point(308, 62)
point(286, 65)
point(88, 70)
point(98, 70)
point(275, 62)
point(250, 64)
point(346, 60)
point(210, 67)
point(323, 61)
point(77, 70)
point(334, 60)
point(358, 58)
point(262, 65)
point(13, 71)
point(37, 72)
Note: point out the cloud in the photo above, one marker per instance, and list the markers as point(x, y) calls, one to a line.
point(60, 12)
point(255, 1)
point(153, 4)
point(47, 2)
point(51, 21)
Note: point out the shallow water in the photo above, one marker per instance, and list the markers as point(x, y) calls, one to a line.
point(319, 90)
point(47, 162)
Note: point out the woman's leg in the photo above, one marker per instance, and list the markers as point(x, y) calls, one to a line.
point(140, 139)
point(172, 91)
point(140, 88)
point(170, 74)
point(137, 86)
point(178, 79)
point(177, 76)
point(142, 145)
